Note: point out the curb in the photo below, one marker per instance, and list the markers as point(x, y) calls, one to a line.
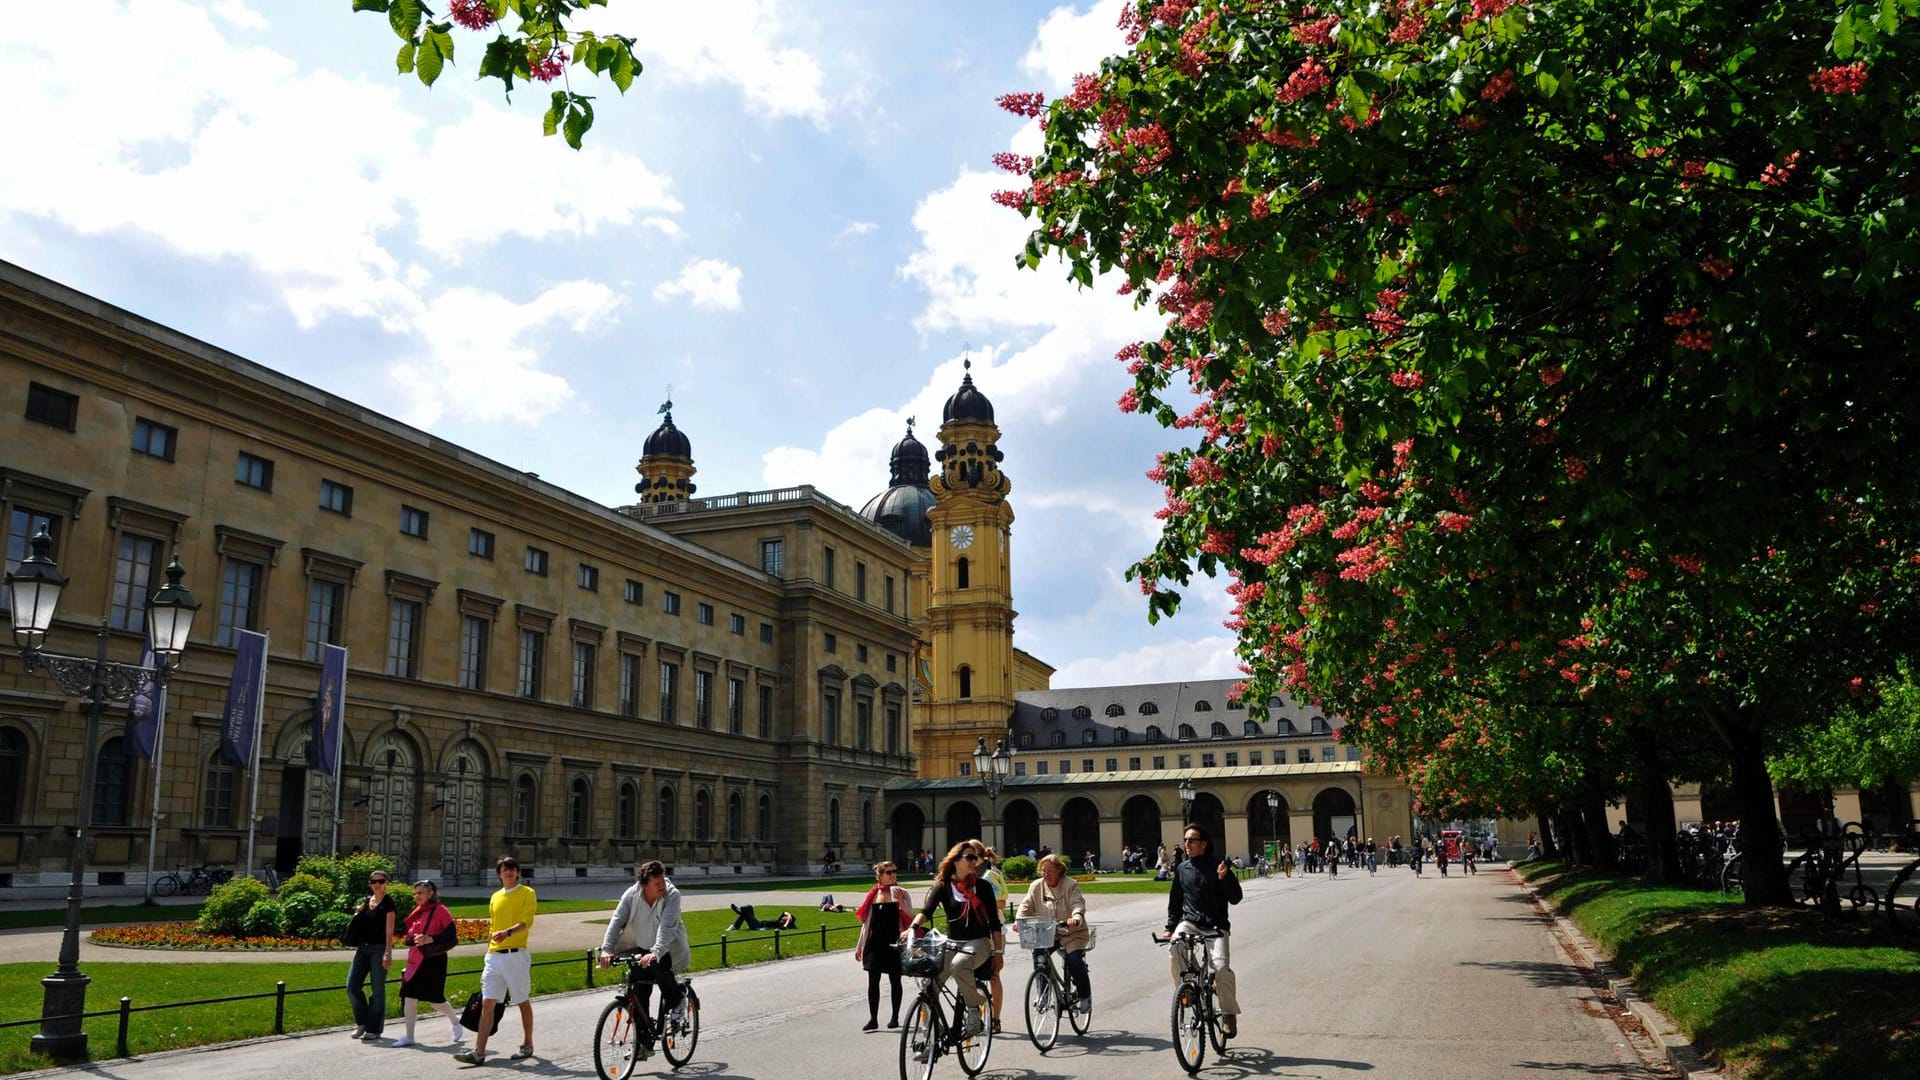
point(1685, 1057)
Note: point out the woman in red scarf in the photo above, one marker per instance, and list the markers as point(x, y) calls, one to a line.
point(973, 924)
point(884, 910)
point(430, 934)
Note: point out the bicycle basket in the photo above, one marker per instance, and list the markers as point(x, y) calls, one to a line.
point(1093, 935)
point(1037, 933)
point(921, 957)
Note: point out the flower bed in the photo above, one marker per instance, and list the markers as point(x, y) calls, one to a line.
point(182, 935)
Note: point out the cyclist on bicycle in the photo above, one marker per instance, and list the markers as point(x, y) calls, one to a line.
point(1202, 888)
point(648, 917)
point(1055, 895)
point(973, 925)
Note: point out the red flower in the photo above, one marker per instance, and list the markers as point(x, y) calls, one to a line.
point(1780, 175)
point(549, 67)
point(1498, 87)
point(1310, 78)
point(472, 14)
point(1024, 104)
point(1846, 79)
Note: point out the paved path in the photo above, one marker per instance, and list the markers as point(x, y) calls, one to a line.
point(1387, 977)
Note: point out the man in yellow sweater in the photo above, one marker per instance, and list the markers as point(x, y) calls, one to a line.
point(508, 972)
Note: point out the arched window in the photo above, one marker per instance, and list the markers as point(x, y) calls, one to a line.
point(1273, 702)
point(1251, 727)
point(966, 681)
point(1122, 736)
point(960, 573)
point(1283, 726)
point(866, 821)
point(736, 818)
point(1219, 730)
point(1234, 704)
point(216, 809)
point(1320, 726)
point(1089, 737)
point(110, 771)
point(579, 800)
point(1116, 709)
point(1186, 731)
point(629, 810)
point(1081, 712)
point(833, 821)
point(1153, 733)
point(1026, 740)
point(524, 800)
point(1049, 714)
point(764, 826)
point(702, 814)
point(13, 774)
point(1059, 737)
point(1148, 708)
point(1203, 705)
point(665, 822)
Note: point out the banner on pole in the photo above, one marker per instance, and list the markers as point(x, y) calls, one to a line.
point(143, 714)
point(329, 710)
point(242, 716)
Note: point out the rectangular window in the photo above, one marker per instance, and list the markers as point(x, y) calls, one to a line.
point(1112, 764)
point(239, 599)
point(736, 706)
point(832, 643)
point(22, 525)
point(630, 684)
point(154, 439)
point(533, 647)
point(1020, 768)
point(336, 497)
point(1040, 767)
point(218, 813)
point(893, 662)
point(326, 603)
point(766, 633)
point(1353, 753)
point(589, 578)
point(403, 638)
point(1326, 753)
point(1133, 763)
point(737, 624)
point(1066, 766)
point(1304, 755)
point(1186, 761)
point(635, 592)
point(1086, 764)
point(766, 712)
point(893, 729)
point(830, 719)
point(860, 582)
point(966, 768)
point(254, 472)
point(1208, 761)
point(829, 568)
point(1256, 757)
point(863, 724)
point(860, 653)
point(50, 406)
point(670, 602)
point(536, 561)
point(706, 614)
point(413, 522)
point(1233, 759)
point(889, 591)
point(1159, 761)
point(474, 632)
point(583, 657)
point(480, 543)
point(703, 700)
point(669, 693)
point(133, 582)
point(772, 556)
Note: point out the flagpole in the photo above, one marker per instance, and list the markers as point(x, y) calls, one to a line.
point(259, 723)
point(339, 764)
point(153, 819)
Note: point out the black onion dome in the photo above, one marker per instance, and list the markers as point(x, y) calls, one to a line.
point(667, 439)
point(909, 463)
point(968, 403)
point(902, 508)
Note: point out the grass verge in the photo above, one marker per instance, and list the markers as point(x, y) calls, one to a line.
point(1772, 992)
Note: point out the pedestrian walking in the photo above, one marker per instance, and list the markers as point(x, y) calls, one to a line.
point(1332, 852)
point(507, 974)
point(1373, 857)
point(430, 935)
point(885, 912)
point(370, 932)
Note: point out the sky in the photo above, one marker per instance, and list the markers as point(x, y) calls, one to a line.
point(786, 221)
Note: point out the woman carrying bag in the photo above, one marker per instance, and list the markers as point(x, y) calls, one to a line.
point(430, 935)
point(370, 932)
point(886, 910)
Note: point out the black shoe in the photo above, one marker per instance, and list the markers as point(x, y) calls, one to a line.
point(894, 1023)
point(871, 1025)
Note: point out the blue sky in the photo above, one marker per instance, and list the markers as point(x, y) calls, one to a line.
point(786, 220)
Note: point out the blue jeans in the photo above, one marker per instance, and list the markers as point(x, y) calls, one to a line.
point(369, 1010)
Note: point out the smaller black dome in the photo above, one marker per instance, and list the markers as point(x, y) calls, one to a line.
point(909, 463)
point(902, 510)
point(668, 440)
point(967, 403)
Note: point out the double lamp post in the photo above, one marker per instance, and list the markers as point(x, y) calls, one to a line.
point(33, 591)
point(993, 767)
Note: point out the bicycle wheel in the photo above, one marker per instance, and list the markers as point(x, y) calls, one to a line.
point(615, 1045)
point(1080, 1015)
point(166, 885)
point(1189, 1018)
point(1803, 880)
point(919, 1040)
point(1863, 896)
point(1216, 1032)
point(1043, 1010)
point(974, 1051)
point(1733, 876)
point(677, 1040)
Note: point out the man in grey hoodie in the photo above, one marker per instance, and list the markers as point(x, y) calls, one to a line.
point(648, 921)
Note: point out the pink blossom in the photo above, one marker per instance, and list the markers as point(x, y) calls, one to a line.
point(472, 14)
point(549, 67)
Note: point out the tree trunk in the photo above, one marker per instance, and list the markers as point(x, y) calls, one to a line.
point(1762, 851)
point(1578, 853)
point(1548, 848)
point(1593, 815)
point(1656, 802)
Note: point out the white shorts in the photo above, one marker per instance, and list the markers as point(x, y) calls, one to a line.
point(507, 976)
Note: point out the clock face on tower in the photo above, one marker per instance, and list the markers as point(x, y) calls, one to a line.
point(961, 536)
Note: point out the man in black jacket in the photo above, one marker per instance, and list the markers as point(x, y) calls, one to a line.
point(1203, 887)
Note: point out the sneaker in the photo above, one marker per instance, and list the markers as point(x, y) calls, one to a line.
point(678, 1015)
point(457, 1033)
point(402, 1040)
point(522, 1054)
point(469, 1057)
point(894, 1023)
point(371, 1036)
point(1084, 1007)
point(357, 1032)
point(871, 1025)
point(1229, 1026)
point(973, 1025)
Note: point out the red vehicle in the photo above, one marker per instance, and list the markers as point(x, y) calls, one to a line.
point(1450, 841)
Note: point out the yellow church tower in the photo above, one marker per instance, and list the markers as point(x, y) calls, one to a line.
point(666, 464)
point(970, 615)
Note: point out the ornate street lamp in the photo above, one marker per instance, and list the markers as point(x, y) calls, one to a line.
point(1186, 802)
point(1273, 817)
point(993, 767)
point(33, 591)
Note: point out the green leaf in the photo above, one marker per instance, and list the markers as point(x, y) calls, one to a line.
point(550, 123)
point(404, 17)
point(1357, 102)
point(579, 119)
point(1547, 83)
point(369, 5)
point(404, 61)
point(430, 60)
point(1843, 35)
point(624, 66)
point(444, 39)
point(1889, 20)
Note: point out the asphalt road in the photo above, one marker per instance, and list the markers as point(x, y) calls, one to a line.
point(1358, 977)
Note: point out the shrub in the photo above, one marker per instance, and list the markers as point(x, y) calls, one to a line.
point(1018, 868)
point(322, 866)
point(301, 909)
point(321, 888)
point(356, 869)
point(227, 907)
point(401, 894)
point(264, 918)
point(330, 924)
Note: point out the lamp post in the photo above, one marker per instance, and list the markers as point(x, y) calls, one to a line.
point(993, 767)
point(1273, 818)
point(33, 592)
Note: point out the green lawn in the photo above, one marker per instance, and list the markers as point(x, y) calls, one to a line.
point(1773, 993)
point(15, 919)
point(477, 909)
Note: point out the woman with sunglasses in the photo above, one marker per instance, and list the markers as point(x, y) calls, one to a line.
point(973, 925)
point(885, 909)
point(370, 932)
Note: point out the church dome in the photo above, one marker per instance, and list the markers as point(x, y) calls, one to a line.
point(968, 403)
point(667, 439)
point(902, 508)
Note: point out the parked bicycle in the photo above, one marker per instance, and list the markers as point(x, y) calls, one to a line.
point(1818, 875)
point(935, 1023)
point(198, 881)
point(1196, 1005)
point(622, 1039)
point(1050, 993)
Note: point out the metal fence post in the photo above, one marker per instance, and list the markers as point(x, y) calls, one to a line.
point(723, 950)
point(823, 936)
point(126, 1016)
point(776, 944)
point(589, 969)
point(280, 1007)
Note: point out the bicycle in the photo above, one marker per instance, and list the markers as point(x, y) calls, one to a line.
point(1050, 993)
point(1196, 1005)
point(617, 1044)
point(934, 1025)
point(270, 878)
point(169, 883)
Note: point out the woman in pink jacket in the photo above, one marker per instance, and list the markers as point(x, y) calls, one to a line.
point(429, 935)
point(885, 913)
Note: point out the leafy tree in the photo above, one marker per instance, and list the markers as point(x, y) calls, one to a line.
point(1547, 364)
point(539, 49)
point(1866, 746)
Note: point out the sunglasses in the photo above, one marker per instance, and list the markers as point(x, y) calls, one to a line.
point(971, 858)
point(1193, 840)
point(377, 881)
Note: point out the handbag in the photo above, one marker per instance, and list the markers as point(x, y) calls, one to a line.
point(442, 943)
point(470, 1014)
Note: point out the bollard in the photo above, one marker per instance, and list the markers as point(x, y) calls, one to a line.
point(823, 936)
point(776, 944)
point(126, 1015)
point(280, 1007)
point(589, 969)
point(723, 950)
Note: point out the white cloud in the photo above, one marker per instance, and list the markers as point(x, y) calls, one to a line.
point(666, 227)
point(747, 44)
point(1070, 41)
point(1163, 661)
point(240, 15)
point(856, 229)
point(708, 284)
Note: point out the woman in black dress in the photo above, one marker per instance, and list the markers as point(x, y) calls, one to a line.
point(885, 911)
point(430, 935)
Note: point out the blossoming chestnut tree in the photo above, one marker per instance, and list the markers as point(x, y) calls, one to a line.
point(539, 48)
point(1547, 367)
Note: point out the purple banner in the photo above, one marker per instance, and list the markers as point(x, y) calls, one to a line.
point(242, 716)
point(143, 714)
point(329, 710)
